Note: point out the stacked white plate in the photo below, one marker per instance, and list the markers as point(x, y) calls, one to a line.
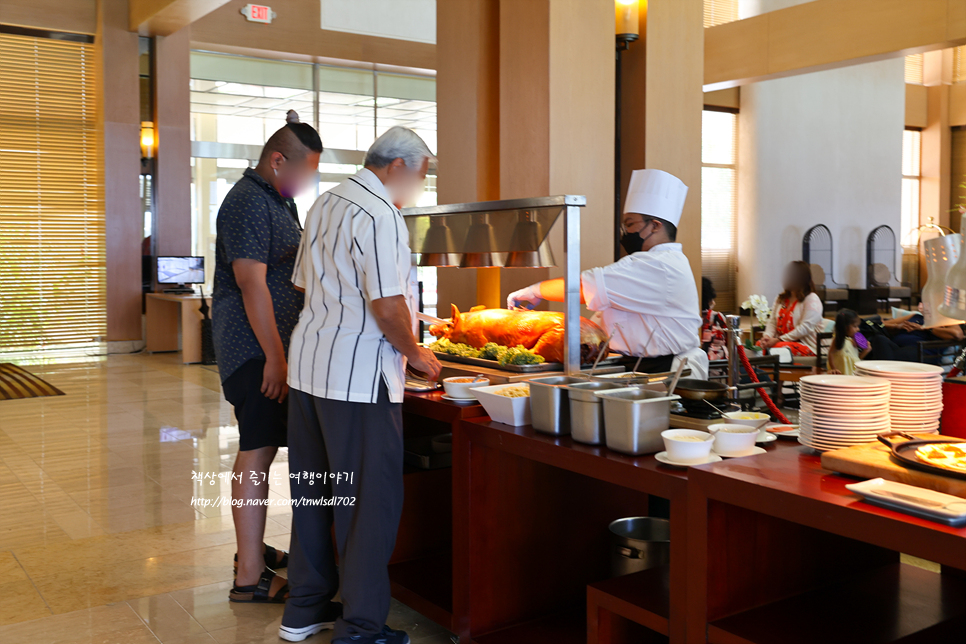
point(916, 401)
point(839, 411)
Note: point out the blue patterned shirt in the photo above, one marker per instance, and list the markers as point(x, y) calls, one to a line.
point(254, 222)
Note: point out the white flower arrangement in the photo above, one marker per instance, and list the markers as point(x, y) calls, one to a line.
point(759, 305)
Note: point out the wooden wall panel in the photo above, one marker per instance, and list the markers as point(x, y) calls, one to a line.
point(728, 98)
point(934, 189)
point(957, 104)
point(164, 17)
point(674, 100)
point(736, 52)
point(958, 178)
point(524, 98)
point(117, 50)
point(582, 121)
point(825, 34)
point(173, 164)
point(76, 16)
point(916, 100)
point(468, 122)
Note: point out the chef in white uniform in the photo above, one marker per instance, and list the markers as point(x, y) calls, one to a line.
point(650, 293)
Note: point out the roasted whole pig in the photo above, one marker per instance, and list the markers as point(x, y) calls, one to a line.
point(540, 331)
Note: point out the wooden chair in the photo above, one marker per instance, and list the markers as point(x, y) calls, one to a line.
point(823, 344)
point(880, 254)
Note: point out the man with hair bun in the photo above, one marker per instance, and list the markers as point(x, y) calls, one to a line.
point(254, 309)
point(346, 373)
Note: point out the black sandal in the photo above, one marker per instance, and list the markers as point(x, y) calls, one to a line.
point(271, 559)
point(258, 594)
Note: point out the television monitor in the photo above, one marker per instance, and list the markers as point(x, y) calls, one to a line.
point(181, 270)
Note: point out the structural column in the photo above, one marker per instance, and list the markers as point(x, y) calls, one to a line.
point(526, 101)
point(662, 87)
point(172, 110)
point(120, 113)
point(468, 108)
point(936, 151)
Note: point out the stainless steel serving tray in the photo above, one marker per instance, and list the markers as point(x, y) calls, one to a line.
point(520, 368)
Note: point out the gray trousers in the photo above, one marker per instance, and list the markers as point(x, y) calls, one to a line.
point(364, 440)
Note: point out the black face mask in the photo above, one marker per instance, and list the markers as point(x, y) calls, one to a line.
point(632, 242)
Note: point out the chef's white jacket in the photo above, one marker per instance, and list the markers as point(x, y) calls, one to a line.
point(652, 295)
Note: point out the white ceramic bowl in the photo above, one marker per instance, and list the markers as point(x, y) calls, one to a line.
point(682, 447)
point(754, 419)
point(750, 418)
point(502, 409)
point(731, 439)
point(459, 386)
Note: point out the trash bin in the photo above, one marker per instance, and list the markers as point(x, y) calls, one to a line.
point(639, 543)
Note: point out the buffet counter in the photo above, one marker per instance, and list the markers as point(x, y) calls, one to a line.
point(511, 545)
point(792, 556)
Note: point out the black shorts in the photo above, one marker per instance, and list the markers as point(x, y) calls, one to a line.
point(262, 422)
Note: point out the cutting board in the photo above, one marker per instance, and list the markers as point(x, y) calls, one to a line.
point(873, 460)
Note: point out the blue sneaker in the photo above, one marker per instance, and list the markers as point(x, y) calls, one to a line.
point(385, 636)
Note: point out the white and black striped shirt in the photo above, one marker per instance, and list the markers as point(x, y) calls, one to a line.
point(355, 249)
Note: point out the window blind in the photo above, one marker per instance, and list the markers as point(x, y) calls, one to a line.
point(52, 276)
point(717, 12)
point(959, 64)
point(914, 69)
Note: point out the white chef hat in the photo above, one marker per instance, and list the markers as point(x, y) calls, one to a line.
point(657, 194)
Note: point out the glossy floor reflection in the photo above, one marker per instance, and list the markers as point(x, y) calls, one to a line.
point(99, 540)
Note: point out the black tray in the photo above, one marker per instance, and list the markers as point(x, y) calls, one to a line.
point(910, 460)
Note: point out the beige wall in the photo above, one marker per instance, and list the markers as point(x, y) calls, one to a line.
point(297, 32)
point(822, 148)
point(78, 16)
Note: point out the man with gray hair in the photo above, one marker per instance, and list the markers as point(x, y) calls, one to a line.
point(346, 375)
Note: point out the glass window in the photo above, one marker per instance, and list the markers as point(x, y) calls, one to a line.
point(238, 102)
point(719, 204)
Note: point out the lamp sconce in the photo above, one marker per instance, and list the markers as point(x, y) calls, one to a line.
point(627, 25)
point(147, 140)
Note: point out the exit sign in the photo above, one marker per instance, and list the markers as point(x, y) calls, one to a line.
point(258, 13)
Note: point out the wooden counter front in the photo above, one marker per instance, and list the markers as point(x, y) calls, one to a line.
point(531, 545)
point(530, 529)
point(421, 570)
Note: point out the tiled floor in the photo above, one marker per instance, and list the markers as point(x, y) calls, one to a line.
point(99, 542)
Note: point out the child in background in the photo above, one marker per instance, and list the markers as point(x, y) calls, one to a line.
point(714, 326)
point(848, 346)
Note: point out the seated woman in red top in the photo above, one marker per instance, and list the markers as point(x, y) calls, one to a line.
point(796, 315)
